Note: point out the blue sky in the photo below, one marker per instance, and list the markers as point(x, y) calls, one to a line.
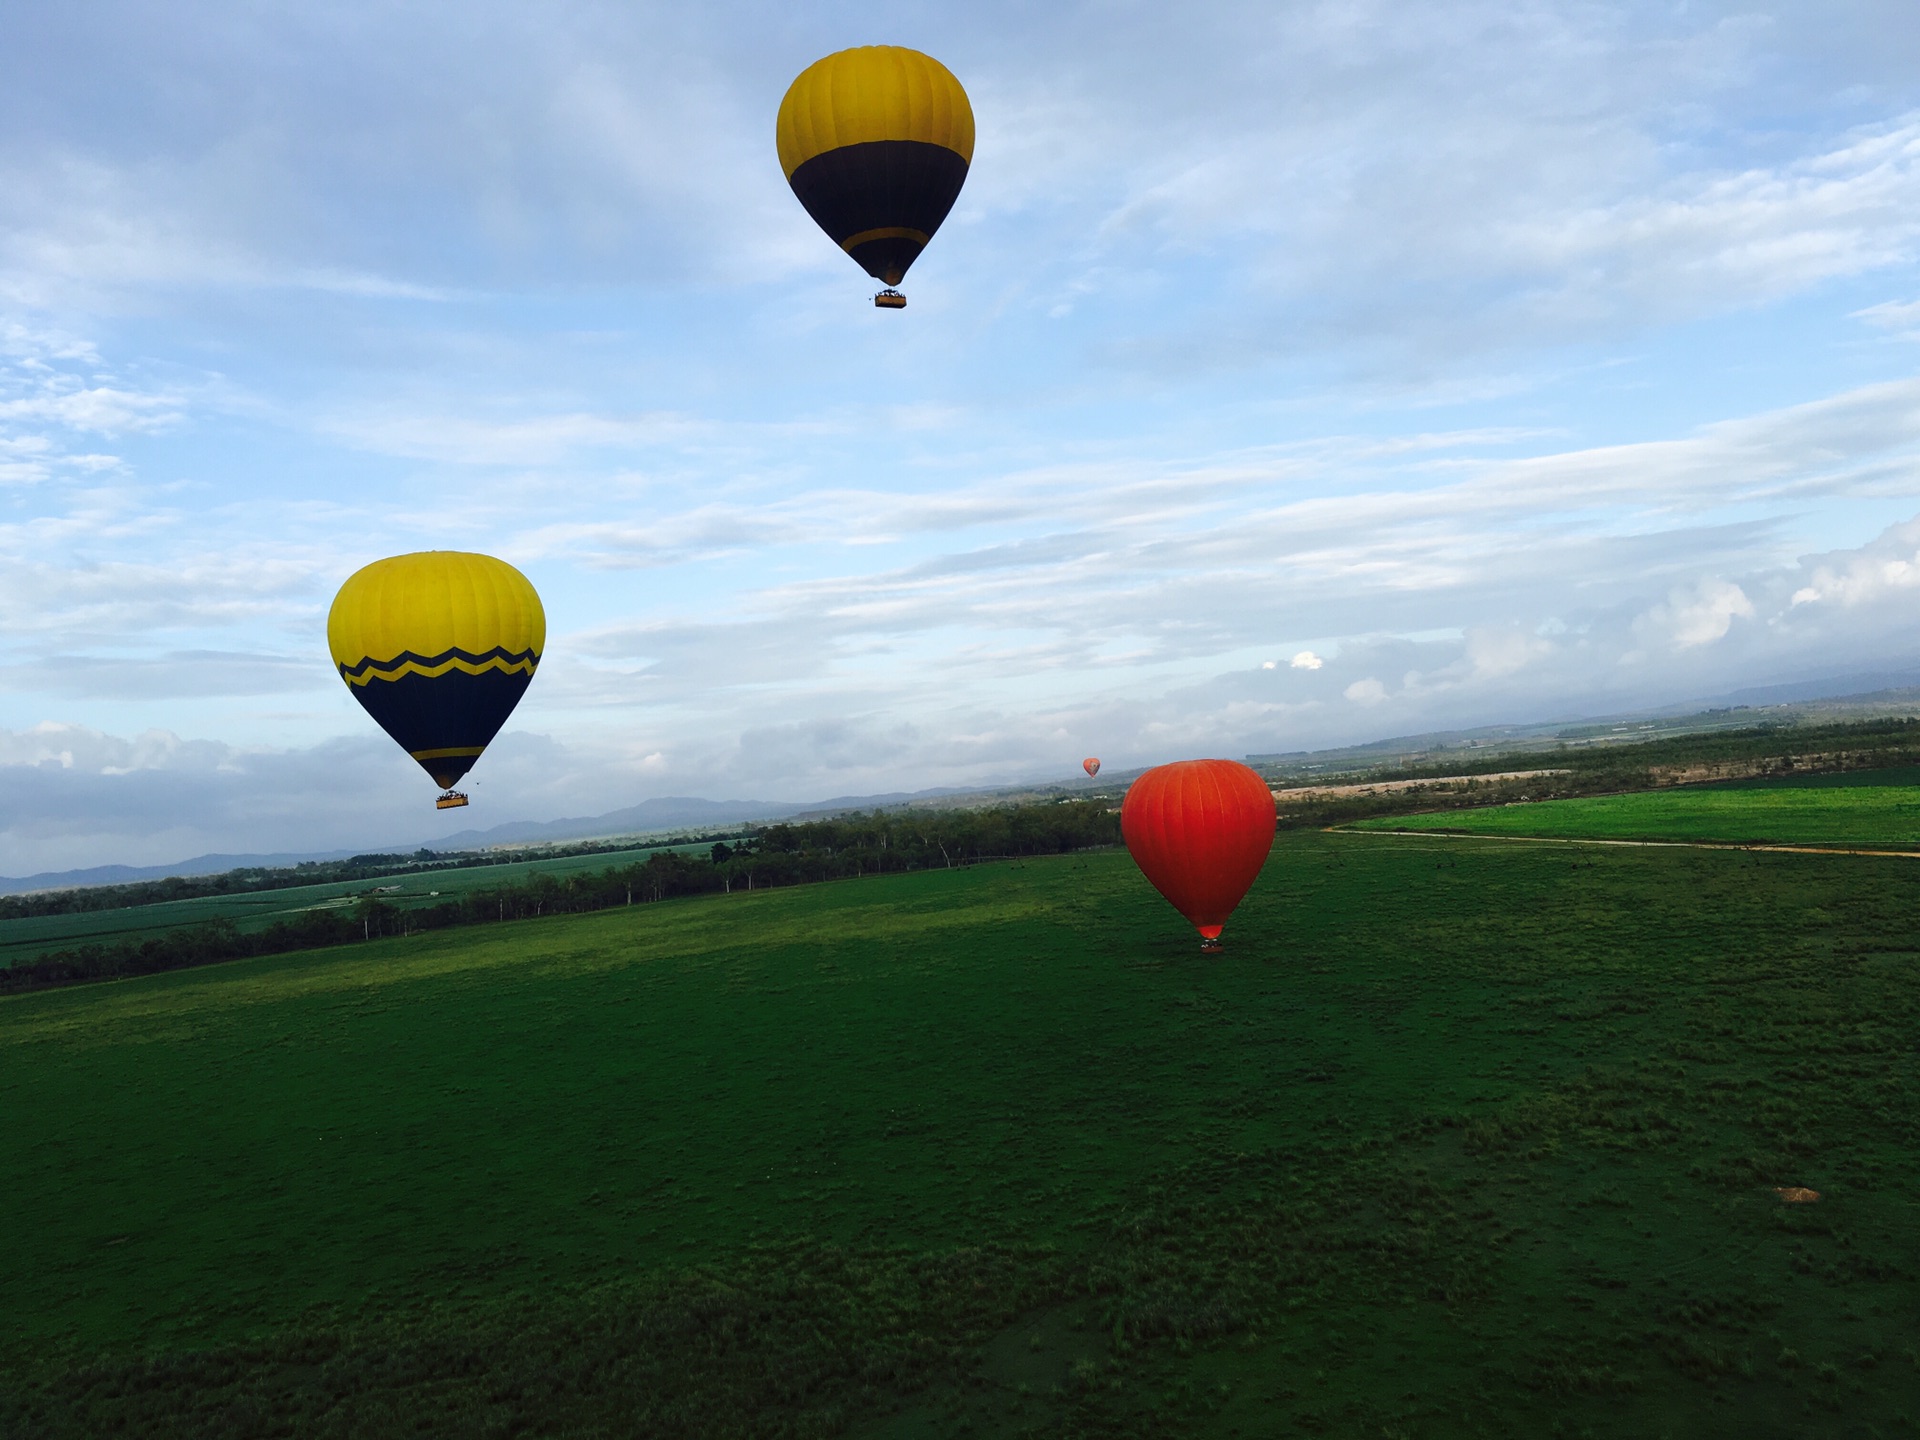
point(1287, 375)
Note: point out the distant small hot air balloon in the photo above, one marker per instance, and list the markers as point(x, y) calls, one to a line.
point(1200, 830)
point(876, 143)
point(438, 647)
point(1091, 765)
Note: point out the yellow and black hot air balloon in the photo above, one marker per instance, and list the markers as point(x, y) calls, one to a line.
point(438, 647)
point(876, 143)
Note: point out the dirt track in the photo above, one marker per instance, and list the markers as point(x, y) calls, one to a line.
point(1390, 787)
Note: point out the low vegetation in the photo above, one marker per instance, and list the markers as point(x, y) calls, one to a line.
point(777, 856)
point(253, 880)
point(1858, 815)
point(1456, 1139)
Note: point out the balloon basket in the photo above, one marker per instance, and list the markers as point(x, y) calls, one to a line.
point(452, 800)
point(1210, 945)
point(890, 299)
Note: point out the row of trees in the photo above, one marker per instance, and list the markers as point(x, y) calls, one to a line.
point(777, 856)
point(1011, 826)
point(247, 879)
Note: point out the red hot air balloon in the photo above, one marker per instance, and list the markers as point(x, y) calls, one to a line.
point(1091, 765)
point(1200, 830)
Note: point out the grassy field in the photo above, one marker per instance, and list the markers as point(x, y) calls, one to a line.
point(33, 935)
point(1455, 1140)
point(1840, 810)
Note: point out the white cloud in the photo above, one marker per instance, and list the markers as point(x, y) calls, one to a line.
point(1697, 615)
point(76, 747)
point(1900, 316)
point(1889, 568)
point(1497, 652)
point(54, 389)
point(1743, 237)
point(1306, 660)
point(1366, 692)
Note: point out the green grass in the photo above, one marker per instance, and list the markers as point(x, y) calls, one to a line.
point(1869, 815)
point(33, 935)
point(1455, 1140)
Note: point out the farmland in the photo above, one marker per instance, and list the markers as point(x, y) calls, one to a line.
point(1455, 1139)
point(251, 910)
point(1869, 809)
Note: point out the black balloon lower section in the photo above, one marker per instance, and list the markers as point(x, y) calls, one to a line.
point(432, 715)
point(881, 186)
point(886, 260)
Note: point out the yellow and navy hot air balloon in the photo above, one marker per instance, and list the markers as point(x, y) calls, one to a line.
point(876, 143)
point(438, 647)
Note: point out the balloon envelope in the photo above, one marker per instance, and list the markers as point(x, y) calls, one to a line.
point(438, 647)
point(1091, 765)
point(876, 143)
point(1200, 830)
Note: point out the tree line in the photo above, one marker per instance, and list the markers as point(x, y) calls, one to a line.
point(247, 879)
point(776, 856)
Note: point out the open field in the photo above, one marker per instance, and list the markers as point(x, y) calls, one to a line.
point(1455, 1140)
point(28, 936)
point(1791, 811)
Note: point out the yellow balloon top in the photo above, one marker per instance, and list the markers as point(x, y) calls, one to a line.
point(876, 92)
point(435, 611)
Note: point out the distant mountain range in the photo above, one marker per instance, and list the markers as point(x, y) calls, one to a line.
point(667, 813)
point(128, 874)
point(648, 817)
point(675, 812)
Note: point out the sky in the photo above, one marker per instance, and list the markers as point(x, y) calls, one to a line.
point(1287, 375)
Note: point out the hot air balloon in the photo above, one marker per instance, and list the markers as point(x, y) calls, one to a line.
point(1200, 830)
point(1091, 765)
point(876, 142)
point(438, 647)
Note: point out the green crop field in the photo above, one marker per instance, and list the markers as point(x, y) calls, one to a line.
point(1782, 812)
point(1454, 1140)
point(29, 936)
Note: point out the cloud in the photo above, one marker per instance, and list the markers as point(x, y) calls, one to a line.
point(54, 390)
point(1470, 175)
point(195, 674)
point(1305, 660)
point(1366, 692)
point(1499, 651)
point(1698, 614)
point(1888, 569)
point(533, 441)
point(71, 747)
point(1900, 316)
point(1738, 238)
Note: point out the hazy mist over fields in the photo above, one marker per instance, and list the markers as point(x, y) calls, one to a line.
point(1286, 376)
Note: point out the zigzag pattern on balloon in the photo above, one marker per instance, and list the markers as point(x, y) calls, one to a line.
point(499, 659)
